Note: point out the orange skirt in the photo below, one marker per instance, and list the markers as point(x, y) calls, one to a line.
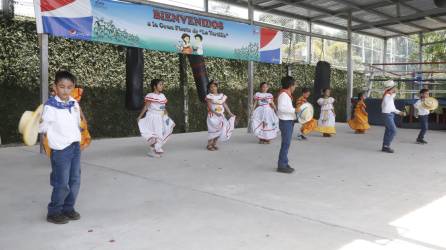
point(359, 122)
point(308, 127)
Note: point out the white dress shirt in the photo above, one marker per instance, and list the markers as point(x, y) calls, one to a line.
point(388, 105)
point(420, 109)
point(61, 126)
point(285, 109)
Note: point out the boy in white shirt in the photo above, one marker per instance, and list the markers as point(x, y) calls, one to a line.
point(389, 110)
point(61, 123)
point(423, 116)
point(287, 114)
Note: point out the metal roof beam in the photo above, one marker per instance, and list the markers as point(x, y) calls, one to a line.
point(369, 6)
point(396, 20)
point(285, 14)
point(279, 13)
point(278, 5)
point(333, 13)
point(379, 13)
point(418, 10)
point(260, 1)
point(274, 6)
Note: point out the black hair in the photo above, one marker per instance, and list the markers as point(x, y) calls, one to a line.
point(154, 83)
point(360, 94)
point(305, 90)
point(64, 75)
point(422, 91)
point(262, 83)
point(199, 36)
point(184, 35)
point(287, 82)
point(324, 89)
point(214, 82)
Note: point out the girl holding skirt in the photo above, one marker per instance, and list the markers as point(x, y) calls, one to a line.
point(265, 122)
point(156, 126)
point(219, 128)
point(360, 122)
point(327, 119)
point(309, 126)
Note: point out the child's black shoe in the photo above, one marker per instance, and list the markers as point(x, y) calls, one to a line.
point(387, 150)
point(57, 219)
point(73, 215)
point(287, 169)
point(301, 137)
point(421, 141)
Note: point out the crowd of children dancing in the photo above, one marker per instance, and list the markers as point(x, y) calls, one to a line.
point(62, 118)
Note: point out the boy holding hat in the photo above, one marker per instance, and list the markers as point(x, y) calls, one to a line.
point(61, 120)
point(388, 111)
point(423, 115)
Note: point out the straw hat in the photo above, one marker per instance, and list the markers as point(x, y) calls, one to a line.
point(29, 125)
point(430, 103)
point(389, 84)
point(306, 113)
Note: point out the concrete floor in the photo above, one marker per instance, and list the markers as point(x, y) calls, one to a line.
point(344, 195)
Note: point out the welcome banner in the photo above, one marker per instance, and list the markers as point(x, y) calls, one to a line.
point(146, 26)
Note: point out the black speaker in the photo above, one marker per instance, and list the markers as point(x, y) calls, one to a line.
point(321, 79)
point(200, 75)
point(440, 3)
point(134, 69)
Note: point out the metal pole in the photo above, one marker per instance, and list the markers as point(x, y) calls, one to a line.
point(250, 72)
point(420, 58)
point(206, 5)
point(420, 50)
point(384, 54)
point(184, 84)
point(309, 40)
point(43, 46)
point(349, 68)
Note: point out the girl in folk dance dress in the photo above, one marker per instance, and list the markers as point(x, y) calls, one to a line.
point(265, 122)
point(360, 122)
point(219, 128)
point(327, 120)
point(309, 126)
point(156, 126)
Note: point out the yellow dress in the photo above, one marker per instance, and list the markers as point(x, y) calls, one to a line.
point(309, 126)
point(85, 134)
point(327, 120)
point(360, 122)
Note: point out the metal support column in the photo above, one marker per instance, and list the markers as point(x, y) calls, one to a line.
point(43, 47)
point(250, 72)
point(206, 5)
point(384, 57)
point(185, 86)
point(420, 59)
point(420, 50)
point(309, 41)
point(349, 68)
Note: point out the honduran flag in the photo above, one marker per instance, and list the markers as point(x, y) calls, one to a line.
point(66, 18)
point(270, 44)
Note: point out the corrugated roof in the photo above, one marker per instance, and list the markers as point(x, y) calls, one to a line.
point(382, 18)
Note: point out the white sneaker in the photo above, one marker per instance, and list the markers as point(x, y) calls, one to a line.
point(153, 154)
